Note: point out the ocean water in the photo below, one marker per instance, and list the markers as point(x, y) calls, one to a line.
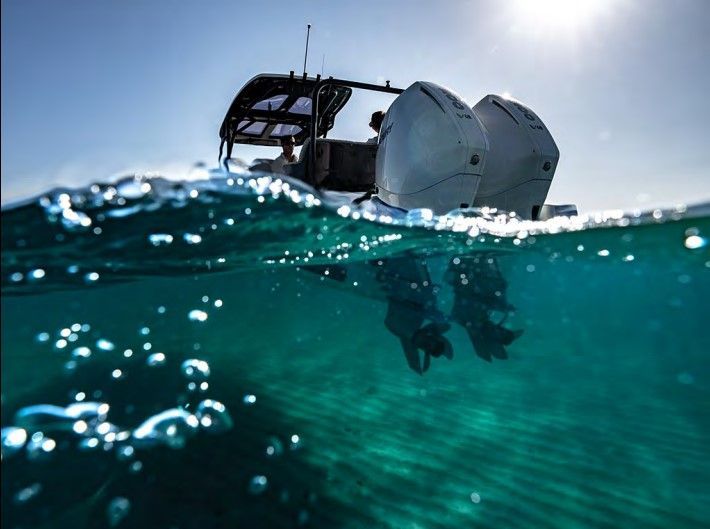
point(245, 352)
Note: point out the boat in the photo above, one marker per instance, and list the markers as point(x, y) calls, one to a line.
point(434, 151)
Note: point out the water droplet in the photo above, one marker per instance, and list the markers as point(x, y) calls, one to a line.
point(156, 359)
point(117, 510)
point(213, 416)
point(258, 484)
point(197, 315)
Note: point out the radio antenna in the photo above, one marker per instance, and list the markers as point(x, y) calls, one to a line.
point(305, 59)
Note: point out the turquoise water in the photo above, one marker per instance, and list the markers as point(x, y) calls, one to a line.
point(215, 354)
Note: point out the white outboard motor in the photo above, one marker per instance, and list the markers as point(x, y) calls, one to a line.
point(436, 152)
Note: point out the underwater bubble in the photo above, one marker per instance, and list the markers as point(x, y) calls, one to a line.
point(72, 269)
point(28, 493)
point(80, 396)
point(205, 299)
point(156, 359)
point(170, 427)
point(475, 497)
point(117, 373)
point(40, 446)
point(274, 447)
point(695, 242)
point(64, 333)
point(85, 327)
point(684, 279)
point(105, 345)
point(16, 277)
point(13, 439)
point(218, 303)
point(80, 427)
point(125, 452)
point(128, 353)
point(117, 510)
point(685, 378)
point(81, 352)
point(70, 365)
point(136, 466)
point(73, 337)
point(91, 277)
point(37, 273)
point(191, 238)
point(43, 337)
point(249, 399)
point(213, 416)
point(258, 484)
point(144, 331)
point(89, 444)
point(60, 344)
point(195, 370)
point(161, 310)
point(197, 315)
point(160, 239)
point(295, 443)
point(147, 346)
point(76, 327)
point(603, 253)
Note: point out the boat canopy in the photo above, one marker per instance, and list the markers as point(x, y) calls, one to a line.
point(272, 106)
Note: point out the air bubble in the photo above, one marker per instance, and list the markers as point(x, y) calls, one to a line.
point(213, 416)
point(117, 510)
point(258, 484)
point(156, 359)
point(195, 370)
point(197, 315)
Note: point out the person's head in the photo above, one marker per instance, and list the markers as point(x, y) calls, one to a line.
point(287, 144)
point(376, 120)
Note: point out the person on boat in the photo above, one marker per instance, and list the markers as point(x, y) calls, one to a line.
point(286, 156)
point(375, 124)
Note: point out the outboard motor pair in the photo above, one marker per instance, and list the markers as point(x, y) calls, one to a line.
point(436, 152)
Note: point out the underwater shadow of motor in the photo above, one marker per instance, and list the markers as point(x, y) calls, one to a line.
point(207, 483)
point(479, 291)
point(413, 315)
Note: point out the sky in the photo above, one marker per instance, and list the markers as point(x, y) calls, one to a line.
point(96, 89)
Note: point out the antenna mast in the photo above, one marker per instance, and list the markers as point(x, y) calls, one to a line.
point(305, 59)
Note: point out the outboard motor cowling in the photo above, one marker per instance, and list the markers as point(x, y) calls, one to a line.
point(432, 151)
point(436, 152)
point(522, 159)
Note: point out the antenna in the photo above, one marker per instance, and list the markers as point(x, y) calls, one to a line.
point(305, 59)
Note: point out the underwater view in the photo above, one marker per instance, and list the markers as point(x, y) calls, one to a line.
point(244, 351)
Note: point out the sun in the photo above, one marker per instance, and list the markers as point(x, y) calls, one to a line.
point(552, 17)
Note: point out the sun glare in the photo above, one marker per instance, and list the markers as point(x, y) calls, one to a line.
point(552, 17)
